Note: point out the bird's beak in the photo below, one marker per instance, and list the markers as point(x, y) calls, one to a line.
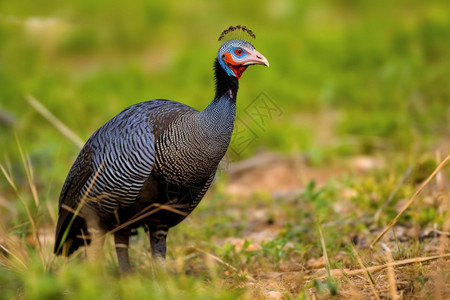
point(255, 58)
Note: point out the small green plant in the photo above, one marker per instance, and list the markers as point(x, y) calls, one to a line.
point(275, 250)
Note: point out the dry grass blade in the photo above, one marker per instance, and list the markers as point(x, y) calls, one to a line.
point(139, 217)
point(9, 179)
point(13, 255)
point(331, 284)
point(444, 241)
point(29, 172)
point(27, 209)
point(367, 273)
point(387, 228)
point(392, 194)
point(11, 247)
point(223, 263)
point(71, 210)
point(391, 273)
point(325, 254)
point(339, 272)
point(66, 131)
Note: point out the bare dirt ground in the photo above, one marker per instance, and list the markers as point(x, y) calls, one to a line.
point(390, 270)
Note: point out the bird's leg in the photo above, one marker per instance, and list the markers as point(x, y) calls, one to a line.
point(97, 235)
point(158, 237)
point(121, 241)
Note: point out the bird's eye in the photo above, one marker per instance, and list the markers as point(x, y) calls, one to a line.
point(238, 51)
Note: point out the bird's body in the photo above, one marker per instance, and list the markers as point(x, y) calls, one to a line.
point(148, 166)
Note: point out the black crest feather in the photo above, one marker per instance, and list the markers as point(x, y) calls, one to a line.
point(240, 32)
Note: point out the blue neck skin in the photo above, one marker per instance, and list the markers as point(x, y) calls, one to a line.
point(225, 67)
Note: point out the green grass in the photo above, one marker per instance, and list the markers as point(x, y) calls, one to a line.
point(348, 79)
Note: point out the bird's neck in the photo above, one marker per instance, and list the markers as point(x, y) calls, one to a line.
point(218, 117)
point(225, 84)
point(226, 92)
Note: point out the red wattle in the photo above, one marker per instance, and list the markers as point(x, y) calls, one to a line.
point(236, 68)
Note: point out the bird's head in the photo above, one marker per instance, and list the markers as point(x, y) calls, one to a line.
point(235, 55)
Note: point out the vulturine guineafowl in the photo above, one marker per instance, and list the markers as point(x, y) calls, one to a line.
point(151, 164)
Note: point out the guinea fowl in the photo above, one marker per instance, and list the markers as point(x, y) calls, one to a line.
point(151, 164)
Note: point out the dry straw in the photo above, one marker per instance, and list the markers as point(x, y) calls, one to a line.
point(60, 126)
point(411, 200)
point(342, 272)
point(367, 273)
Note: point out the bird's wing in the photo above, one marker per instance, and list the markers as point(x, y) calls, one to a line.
point(116, 160)
point(124, 153)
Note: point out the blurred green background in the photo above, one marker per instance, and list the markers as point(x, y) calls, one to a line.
point(350, 77)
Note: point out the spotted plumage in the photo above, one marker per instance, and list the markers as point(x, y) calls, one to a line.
point(150, 165)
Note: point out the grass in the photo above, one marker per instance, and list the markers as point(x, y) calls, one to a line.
point(361, 120)
point(240, 255)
